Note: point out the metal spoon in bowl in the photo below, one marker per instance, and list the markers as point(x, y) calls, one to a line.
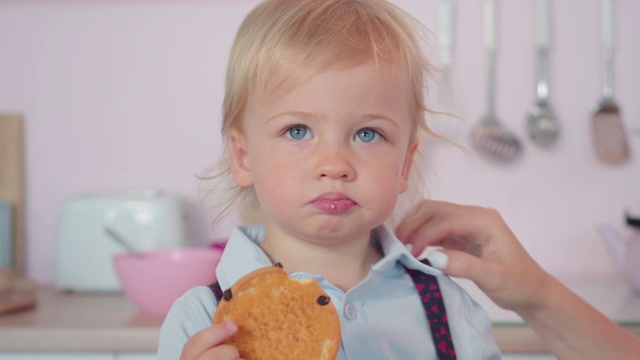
point(115, 236)
point(542, 126)
point(490, 137)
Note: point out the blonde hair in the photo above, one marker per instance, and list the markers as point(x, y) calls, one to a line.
point(283, 42)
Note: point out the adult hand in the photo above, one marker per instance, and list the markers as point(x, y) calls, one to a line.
point(480, 247)
point(206, 344)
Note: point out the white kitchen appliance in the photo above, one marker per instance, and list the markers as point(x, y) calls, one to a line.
point(146, 219)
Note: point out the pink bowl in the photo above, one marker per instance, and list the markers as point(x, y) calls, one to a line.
point(157, 278)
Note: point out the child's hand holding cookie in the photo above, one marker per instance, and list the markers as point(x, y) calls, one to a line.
point(207, 343)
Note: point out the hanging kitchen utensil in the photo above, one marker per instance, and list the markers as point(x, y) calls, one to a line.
point(542, 126)
point(607, 129)
point(445, 105)
point(490, 137)
point(445, 32)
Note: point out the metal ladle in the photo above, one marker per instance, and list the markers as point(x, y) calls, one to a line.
point(542, 126)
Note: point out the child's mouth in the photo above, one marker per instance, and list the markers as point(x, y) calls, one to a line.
point(333, 203)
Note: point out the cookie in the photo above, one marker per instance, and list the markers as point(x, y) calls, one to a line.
point(280, 318)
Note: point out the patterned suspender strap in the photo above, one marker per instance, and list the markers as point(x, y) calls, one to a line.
point(216, 290)
point(429, 291)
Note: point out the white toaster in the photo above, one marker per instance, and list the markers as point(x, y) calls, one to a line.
point(147, 219)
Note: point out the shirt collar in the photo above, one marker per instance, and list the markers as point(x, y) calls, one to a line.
point(395, 252)
point(243, 254)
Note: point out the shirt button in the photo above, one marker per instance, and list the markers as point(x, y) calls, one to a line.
point(350, 311)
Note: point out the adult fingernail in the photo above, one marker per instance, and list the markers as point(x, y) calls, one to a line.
point(409, 247)
point(437, 259)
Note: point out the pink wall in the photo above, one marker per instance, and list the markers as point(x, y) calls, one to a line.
point(128, 94)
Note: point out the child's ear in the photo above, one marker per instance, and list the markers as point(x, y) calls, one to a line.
point(408, 164)
point(239, 158)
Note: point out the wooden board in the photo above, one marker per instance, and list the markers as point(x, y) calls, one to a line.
point(16, 293)
point(12, 179)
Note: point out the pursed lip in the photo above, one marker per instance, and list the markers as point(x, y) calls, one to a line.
point(333, 203)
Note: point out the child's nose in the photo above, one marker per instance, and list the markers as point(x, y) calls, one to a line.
point(334, 165)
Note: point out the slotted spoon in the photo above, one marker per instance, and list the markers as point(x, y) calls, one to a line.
point(489, 136)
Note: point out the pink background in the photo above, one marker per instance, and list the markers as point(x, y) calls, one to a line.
point(121, 94)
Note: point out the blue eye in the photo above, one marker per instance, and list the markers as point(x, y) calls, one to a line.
point(297, 132)
point(367, 135)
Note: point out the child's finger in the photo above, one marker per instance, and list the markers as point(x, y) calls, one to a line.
point(208, 338)
point(222, 352)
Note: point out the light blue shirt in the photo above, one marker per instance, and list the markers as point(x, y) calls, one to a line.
point(381, 318)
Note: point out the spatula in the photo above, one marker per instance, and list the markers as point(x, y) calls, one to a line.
point(607, 128)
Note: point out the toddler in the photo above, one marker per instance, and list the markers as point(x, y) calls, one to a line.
point(321, 117)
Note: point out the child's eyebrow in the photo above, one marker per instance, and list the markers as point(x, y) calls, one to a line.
point(296, 114)
point(302, 115)
point(385, 118)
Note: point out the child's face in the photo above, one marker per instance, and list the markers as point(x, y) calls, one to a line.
point(329, 157)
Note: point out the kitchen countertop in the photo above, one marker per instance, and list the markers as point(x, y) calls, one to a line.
point(80, 322)
point(610, 295)
point(66, 322)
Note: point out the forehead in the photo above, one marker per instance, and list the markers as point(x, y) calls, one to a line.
point(283, 82)
point(365, 88)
